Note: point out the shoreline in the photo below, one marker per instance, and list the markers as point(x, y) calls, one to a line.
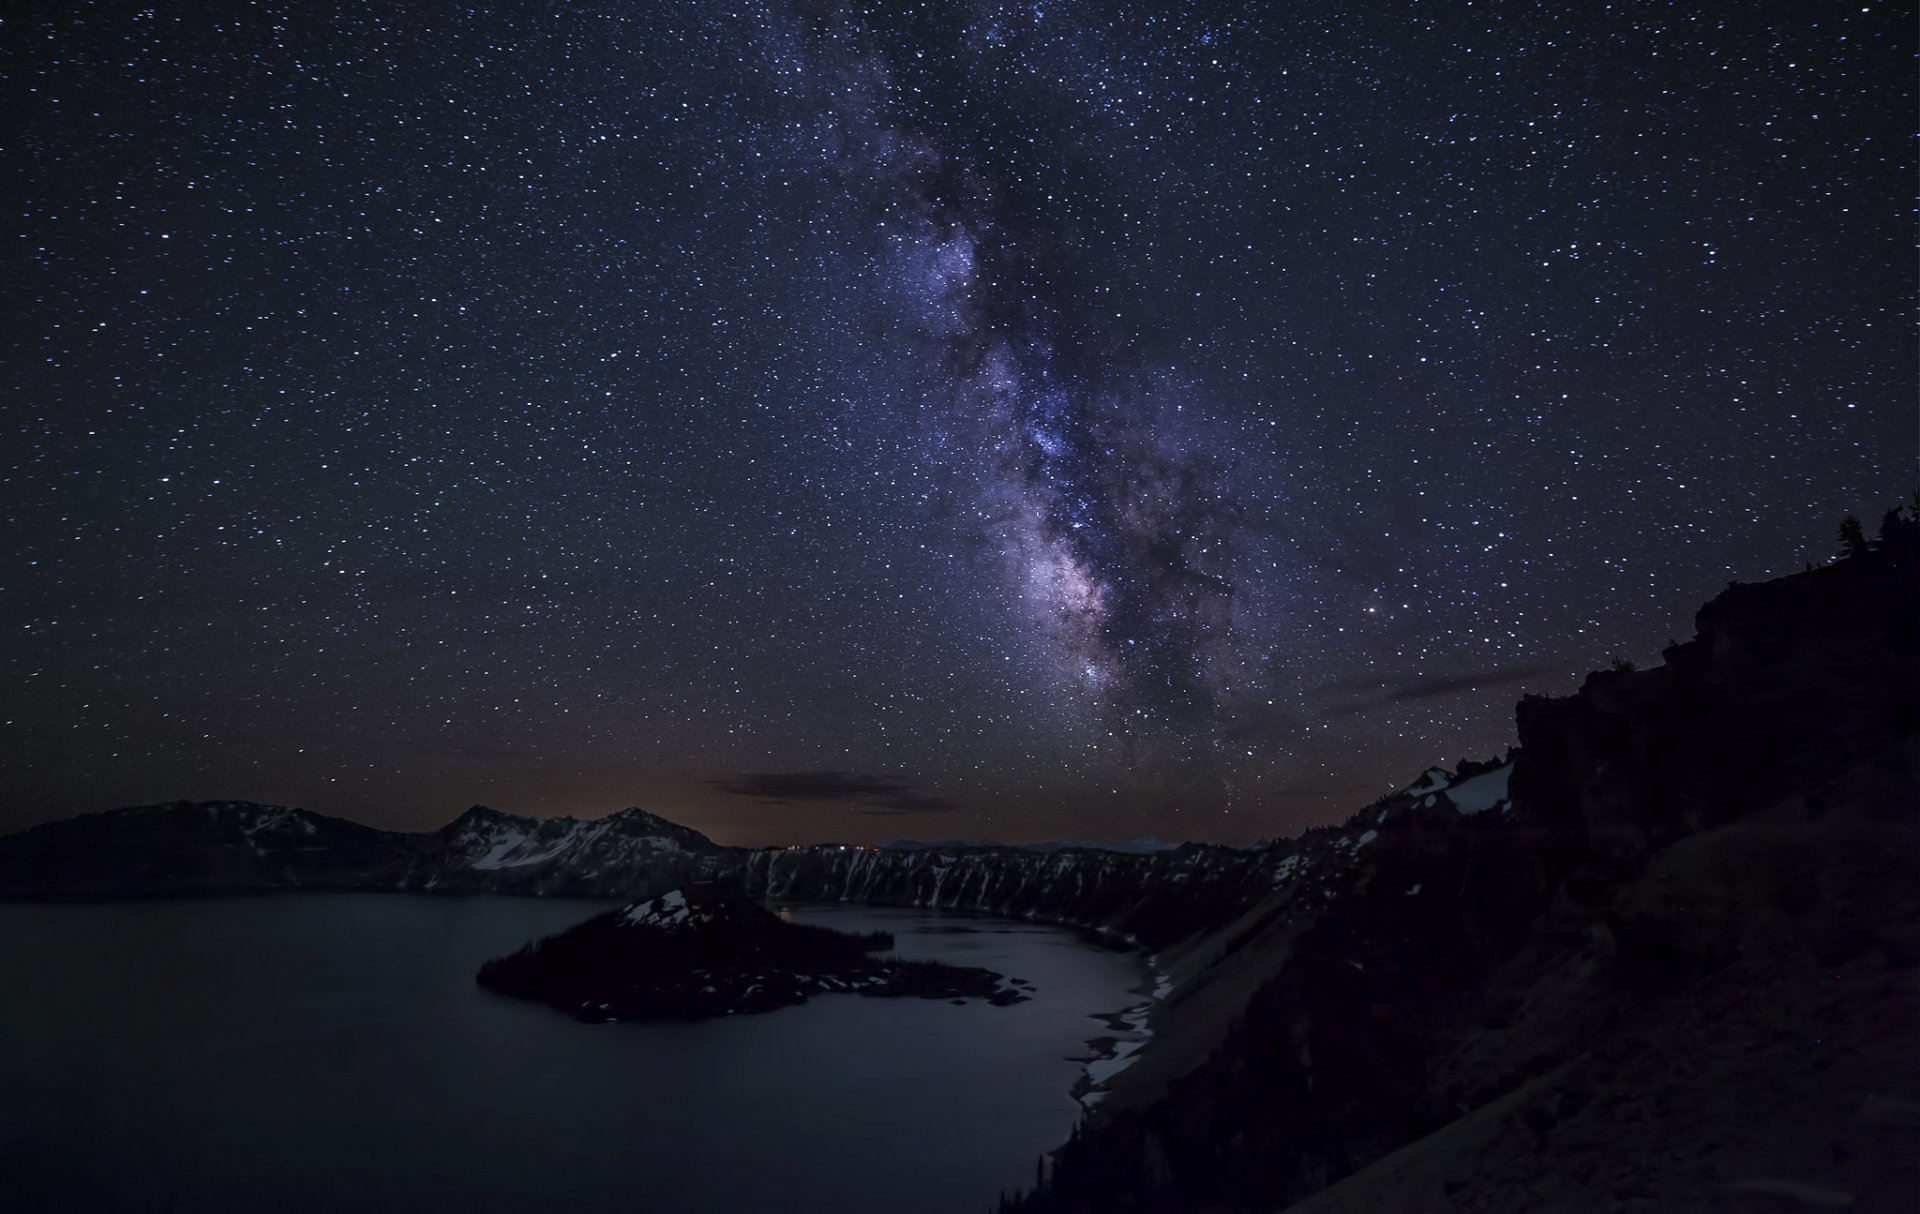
point(1130, 1036)
point(1127, 1033)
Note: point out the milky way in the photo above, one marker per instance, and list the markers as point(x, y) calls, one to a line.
point(1069, 419)
point(1097, 477)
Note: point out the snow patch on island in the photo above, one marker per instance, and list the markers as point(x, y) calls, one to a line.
point(667, 910)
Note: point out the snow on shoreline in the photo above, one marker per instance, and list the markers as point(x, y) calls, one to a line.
point(1123, 1049)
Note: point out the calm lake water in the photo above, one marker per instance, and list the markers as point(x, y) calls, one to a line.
point(331, 1052)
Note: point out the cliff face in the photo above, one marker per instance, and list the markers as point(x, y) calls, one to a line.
point(1152, 900)
point(1677, 969)
point(1786, 683)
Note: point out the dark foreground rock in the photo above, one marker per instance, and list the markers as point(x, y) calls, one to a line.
point(1665, 959)
point(689, 957)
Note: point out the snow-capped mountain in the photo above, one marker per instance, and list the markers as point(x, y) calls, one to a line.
point(1148, 893)
point(631, 852)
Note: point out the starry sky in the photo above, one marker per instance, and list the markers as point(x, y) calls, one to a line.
point(813, 421)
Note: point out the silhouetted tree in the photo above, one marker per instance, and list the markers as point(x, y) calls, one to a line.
point(1853, 539)
point(1899, 533)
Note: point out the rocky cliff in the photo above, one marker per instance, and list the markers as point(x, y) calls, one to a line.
point(1664, 960)
point(1151, 900)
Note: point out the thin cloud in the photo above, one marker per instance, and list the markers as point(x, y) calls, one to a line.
point(1428, 688)
point(864, 793)
point(1439, 685)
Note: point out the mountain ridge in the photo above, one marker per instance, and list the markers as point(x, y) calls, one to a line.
point(1467, 995)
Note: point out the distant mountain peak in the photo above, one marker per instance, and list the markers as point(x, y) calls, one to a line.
point(481, 813)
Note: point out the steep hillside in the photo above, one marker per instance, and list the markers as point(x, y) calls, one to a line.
point(1664, 960)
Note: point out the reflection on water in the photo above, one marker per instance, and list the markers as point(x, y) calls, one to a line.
point(330, 1051)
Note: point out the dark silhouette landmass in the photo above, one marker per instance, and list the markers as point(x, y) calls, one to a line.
point(1675, 968)
point(693, 955)
point(1662, 956)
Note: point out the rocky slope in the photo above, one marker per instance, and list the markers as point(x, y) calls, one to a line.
point(1668, 958)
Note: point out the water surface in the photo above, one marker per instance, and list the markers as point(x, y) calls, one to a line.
point(331, 1051)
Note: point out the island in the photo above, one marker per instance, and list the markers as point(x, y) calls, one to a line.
point(689, 954)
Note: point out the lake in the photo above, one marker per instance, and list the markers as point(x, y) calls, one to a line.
point(331, 1051)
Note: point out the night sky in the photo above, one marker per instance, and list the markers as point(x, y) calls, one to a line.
point(1004, 421)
